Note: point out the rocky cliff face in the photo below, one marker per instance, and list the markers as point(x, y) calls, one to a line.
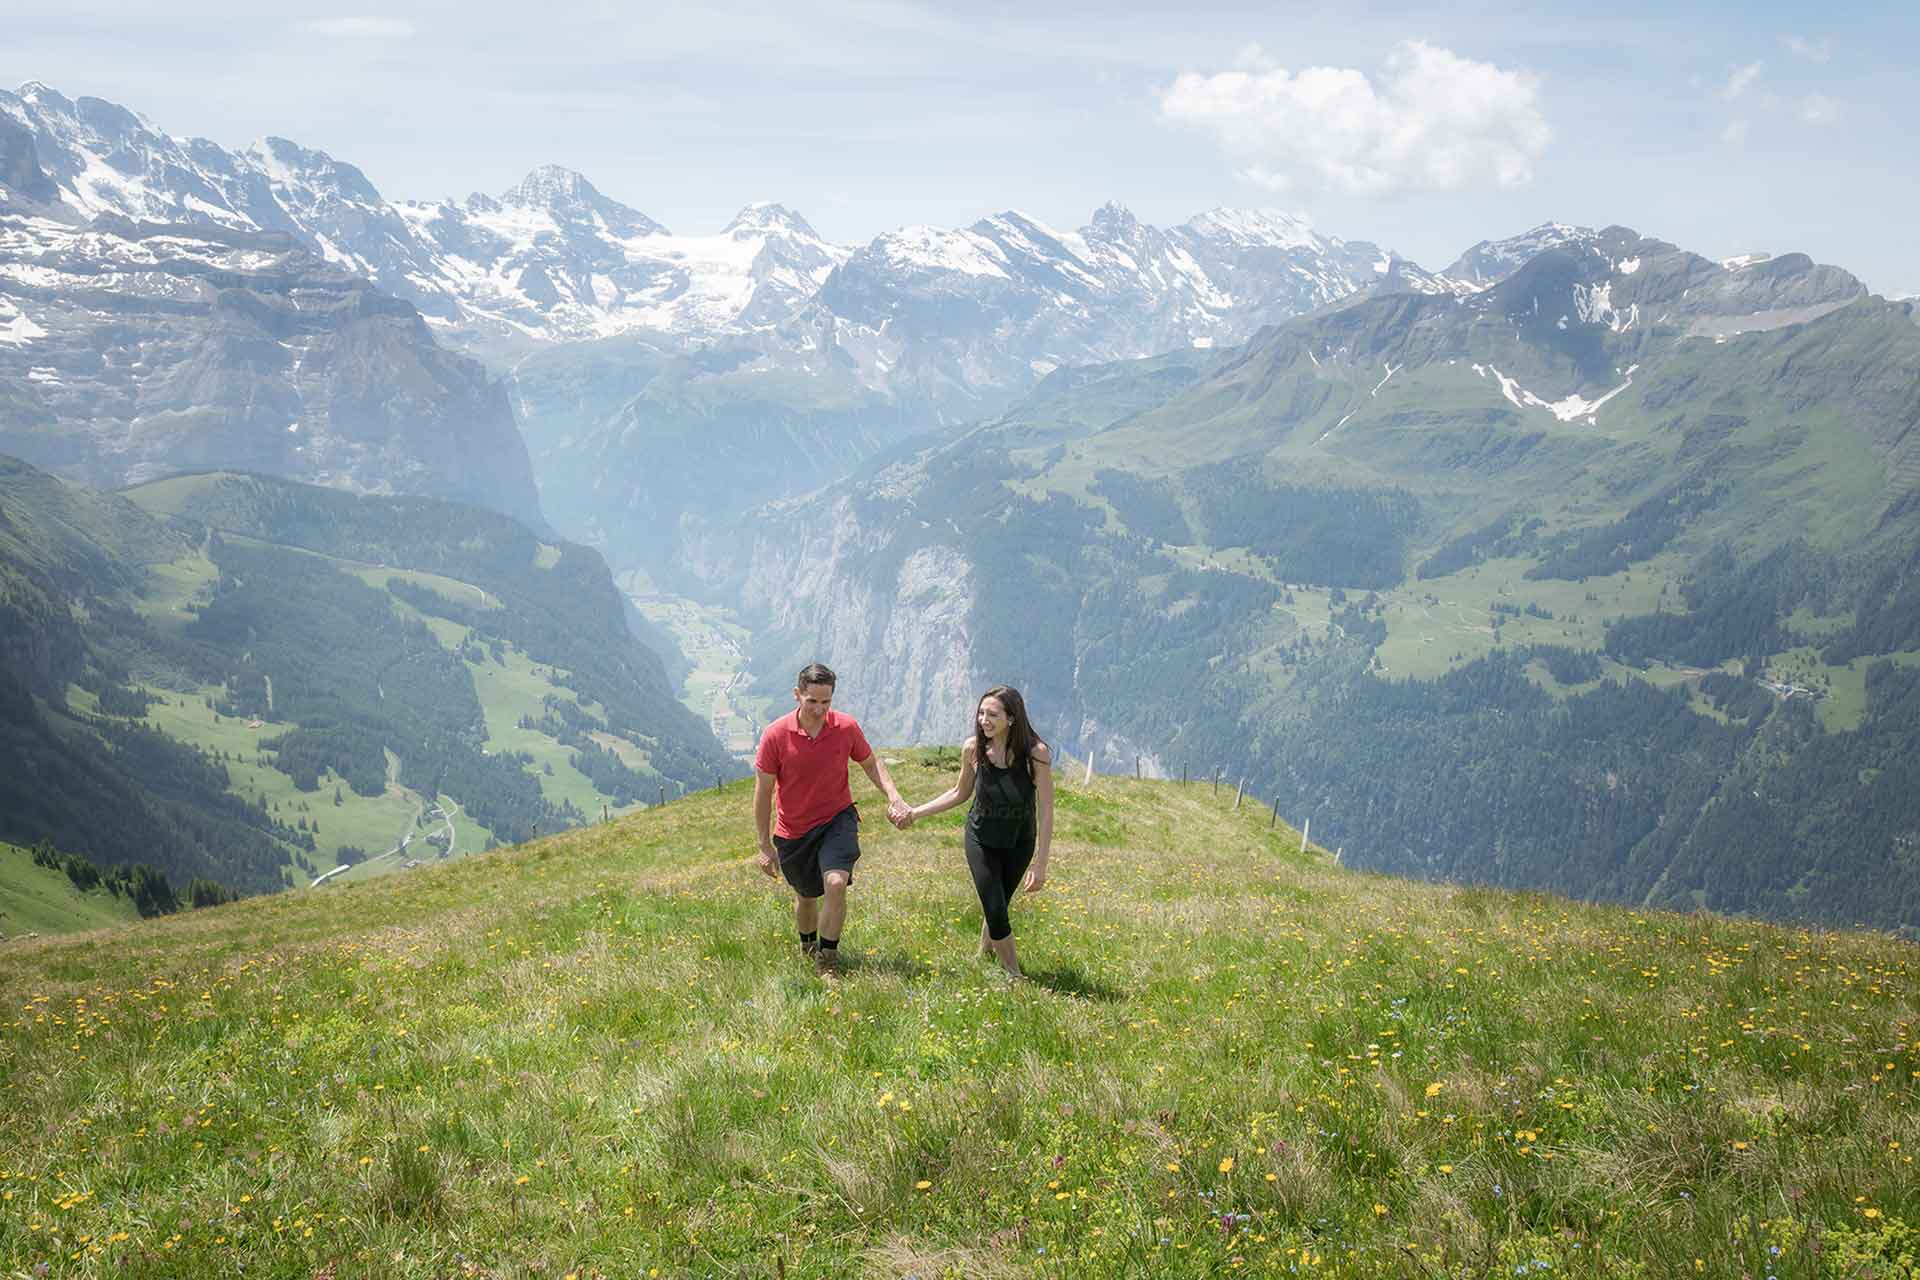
point(133, 349)
point(901, 623)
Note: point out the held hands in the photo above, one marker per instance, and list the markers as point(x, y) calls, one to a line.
point(900, 814)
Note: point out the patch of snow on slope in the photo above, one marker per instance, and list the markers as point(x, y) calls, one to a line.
point(1336, 426)
point(16, 327)
point(1595, 306)
point(1566, 409)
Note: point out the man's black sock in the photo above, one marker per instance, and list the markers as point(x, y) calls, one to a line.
point(810, 942)
point(830, 944)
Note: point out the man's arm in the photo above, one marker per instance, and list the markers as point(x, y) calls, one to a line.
point(763, 820)
point(876, 770)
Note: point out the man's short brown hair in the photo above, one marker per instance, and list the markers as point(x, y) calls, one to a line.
point(815, 673)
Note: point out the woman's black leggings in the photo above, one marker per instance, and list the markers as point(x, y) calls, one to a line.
point(996, 878)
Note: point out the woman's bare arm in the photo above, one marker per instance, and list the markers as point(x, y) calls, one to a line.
point(959, 793)
point(1042, 765)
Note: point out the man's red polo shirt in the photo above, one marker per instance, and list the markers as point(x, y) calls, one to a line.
point(810, 774)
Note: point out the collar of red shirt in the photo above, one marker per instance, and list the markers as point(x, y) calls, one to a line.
point(834, 720)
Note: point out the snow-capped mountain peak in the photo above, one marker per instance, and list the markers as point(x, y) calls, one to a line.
point(570, 198)
point(1266, 227)
point(105, 159)
point(765, 218)
point(1492, 261)
point(288, 164)
point(1113, 221)
point(553, 258)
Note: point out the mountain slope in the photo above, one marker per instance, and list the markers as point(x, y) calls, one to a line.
point(603, 1052)
point(210, 672)
point(171, 332)
point(1533, 584)
point(36, 899)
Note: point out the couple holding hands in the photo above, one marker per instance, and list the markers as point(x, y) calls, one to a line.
point(1005, 769)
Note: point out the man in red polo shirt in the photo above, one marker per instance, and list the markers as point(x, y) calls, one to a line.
point(817, 839)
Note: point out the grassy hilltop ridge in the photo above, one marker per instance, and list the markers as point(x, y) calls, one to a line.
point(600, 1055)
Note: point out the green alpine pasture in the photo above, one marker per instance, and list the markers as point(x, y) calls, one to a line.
point(36, 899)
point(601, 1054)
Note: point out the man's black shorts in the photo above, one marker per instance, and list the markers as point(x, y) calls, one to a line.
point(834, 845)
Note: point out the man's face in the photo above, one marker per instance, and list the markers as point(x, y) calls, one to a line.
point(812, 703)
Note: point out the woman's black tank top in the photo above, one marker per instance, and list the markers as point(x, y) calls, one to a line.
point(1002, 813)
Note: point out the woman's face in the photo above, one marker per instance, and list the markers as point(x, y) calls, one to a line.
point(992, 717)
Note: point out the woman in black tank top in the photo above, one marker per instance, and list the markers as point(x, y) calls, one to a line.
point(1008, 772)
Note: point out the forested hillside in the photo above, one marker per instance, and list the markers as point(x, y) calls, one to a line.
point(252, 682)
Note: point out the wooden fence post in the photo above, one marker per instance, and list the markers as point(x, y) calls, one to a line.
point(1237, 793)
point(1216, 782)
point(1183, 773)
point(1274, 820)
point(1136, 768)
point(663, 793)
point(1086, 779)
point(1304, 828)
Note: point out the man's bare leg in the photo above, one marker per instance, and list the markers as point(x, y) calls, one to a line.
point(806, 913)
point(833, 907)
point(833, 915)
point(986, 942)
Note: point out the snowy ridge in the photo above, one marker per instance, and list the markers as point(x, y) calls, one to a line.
point(550, 259)
point(933, 250)
point(1010, 298)
point(1492, 261)
point(968, 314)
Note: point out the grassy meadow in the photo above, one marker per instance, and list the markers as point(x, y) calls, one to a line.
point(601, 1055)
point(43, 900)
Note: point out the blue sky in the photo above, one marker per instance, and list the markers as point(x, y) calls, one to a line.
point(1724, 128)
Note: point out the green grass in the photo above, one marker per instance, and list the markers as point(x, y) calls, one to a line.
point(373, 823)
point(1845, 704)
point(517, 686)
point(43, 900)
point(600, 1054)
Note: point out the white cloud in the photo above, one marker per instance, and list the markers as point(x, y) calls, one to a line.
point(1434, 122)
point(361, 26)
point(1812, 50)
point(1735, 133)
point(1740, 81)
point(1818, 109)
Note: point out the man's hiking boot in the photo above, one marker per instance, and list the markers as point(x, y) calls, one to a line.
point(826, 962)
